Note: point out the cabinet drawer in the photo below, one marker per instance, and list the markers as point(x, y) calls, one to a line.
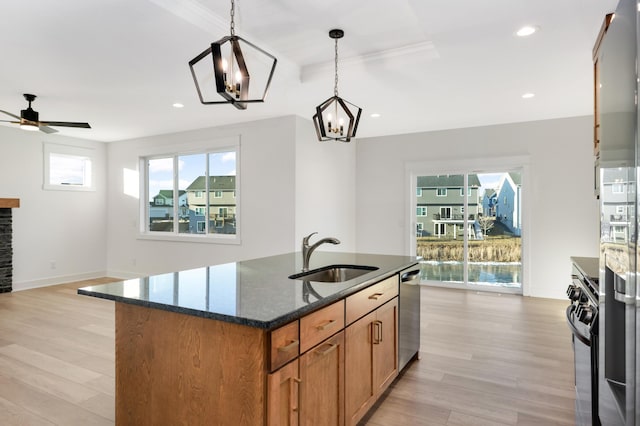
point(370, 298)
point(316, 327)
point(285, 345)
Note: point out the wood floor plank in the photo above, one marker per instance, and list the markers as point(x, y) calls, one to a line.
point(486, 360)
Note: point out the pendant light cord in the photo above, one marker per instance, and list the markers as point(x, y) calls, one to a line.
point(233, 13)
point(335, 87)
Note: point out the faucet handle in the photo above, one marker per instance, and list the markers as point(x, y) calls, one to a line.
point(305, 240)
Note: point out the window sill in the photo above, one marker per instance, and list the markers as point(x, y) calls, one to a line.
point(190, 238)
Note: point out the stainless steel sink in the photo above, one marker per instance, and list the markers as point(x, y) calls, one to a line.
point(334, 273)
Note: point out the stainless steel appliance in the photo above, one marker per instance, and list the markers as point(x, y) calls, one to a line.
point(618, 303)
point(409, 324)
point(582, 318)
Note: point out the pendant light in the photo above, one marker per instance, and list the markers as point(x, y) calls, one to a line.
point(233, 58)
point(336, 118)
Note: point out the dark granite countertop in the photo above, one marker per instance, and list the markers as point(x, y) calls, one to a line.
point(255, 292)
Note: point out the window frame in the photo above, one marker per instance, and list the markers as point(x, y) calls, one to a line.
point(223, 145)
point(443, 190)
point(86, 153)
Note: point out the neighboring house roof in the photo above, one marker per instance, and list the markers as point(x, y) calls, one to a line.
point(446, 181)
point(489, 193)
point(215, 183)
point(167, 193)
point(516, 178)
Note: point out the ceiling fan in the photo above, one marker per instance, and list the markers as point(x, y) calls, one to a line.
point(28, 119)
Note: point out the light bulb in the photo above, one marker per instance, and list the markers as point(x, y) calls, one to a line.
point(225, 65)
point(238, 77)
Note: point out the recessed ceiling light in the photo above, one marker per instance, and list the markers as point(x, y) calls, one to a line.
point(178, 105)
point(375, 115)
point(528, 95)
point(527, 30)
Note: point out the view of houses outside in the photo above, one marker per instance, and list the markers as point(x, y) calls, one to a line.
point(197, 197)
point(468, 228)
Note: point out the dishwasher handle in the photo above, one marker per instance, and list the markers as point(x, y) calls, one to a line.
point(410, 276)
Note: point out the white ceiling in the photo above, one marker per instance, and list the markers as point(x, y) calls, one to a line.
point(422, 64)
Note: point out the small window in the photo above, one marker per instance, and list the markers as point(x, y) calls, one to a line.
point(441, 192)
point(421, 211)
point(159, 201)
point(621, 210)
point(199, 194)
point(618, 188)
point(418, 192)
point(68, 167)
point(217, 194)
point(200, 211)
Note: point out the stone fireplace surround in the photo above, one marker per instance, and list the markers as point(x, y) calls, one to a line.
point(6, 235)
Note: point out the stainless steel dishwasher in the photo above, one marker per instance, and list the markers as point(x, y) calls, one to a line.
point(409, 324)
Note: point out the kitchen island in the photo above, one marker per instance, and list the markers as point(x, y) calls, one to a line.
point(241, 343)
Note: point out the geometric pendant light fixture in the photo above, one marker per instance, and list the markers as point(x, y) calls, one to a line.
point(336, 119)
point(241, 72)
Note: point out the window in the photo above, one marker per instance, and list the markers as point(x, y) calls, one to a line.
point(621, 209)
point(440, 229)
point(418, 192)
point(68, 167)
point(198, 182)
point(618, 188)
point(445, 212)
point(159, 201)
point(441, 192)
point(421, 211)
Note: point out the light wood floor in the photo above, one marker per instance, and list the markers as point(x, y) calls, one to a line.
point(487, 359)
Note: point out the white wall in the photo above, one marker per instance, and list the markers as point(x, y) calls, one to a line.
point(65, 227)
point(267, 216)
point(325, 189)
point(562, 211)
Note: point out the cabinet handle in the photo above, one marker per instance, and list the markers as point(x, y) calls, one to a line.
point(326, 325)
point(328, 350)
point(293, 398)
point(375, 296)
point(291, 346)
point(377, 332)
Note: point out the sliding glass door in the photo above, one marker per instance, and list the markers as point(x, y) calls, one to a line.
point(468, 229)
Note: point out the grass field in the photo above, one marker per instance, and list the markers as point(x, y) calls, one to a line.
point(491, 249)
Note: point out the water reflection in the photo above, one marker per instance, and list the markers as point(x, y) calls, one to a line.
point(485, 273)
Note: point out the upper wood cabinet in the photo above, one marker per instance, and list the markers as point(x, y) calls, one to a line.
point(597, 85)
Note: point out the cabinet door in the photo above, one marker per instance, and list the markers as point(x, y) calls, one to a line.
point(359, 385)
point(283, 396)
point(385, 345)
point(322, 383)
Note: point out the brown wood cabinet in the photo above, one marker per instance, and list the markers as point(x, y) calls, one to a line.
point(596, 84)
point(283, 400)
point(322, 383)
point(371, 361)
point(174, 368)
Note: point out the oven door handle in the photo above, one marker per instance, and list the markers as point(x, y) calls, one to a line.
point(584, 339)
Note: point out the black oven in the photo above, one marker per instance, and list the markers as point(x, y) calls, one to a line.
point(582, 318)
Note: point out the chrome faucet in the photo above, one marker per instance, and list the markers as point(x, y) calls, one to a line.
point(307, 249)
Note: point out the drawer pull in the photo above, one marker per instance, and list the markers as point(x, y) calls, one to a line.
point(375, 296)
point(291, 346)
point(328, 350)
point(326, 325)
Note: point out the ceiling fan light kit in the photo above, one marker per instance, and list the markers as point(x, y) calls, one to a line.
point(232, 58)
point(30, 119)
point(336, 118)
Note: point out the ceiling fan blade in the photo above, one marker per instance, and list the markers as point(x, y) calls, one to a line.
point(65, 124)
point(46, 129)
point(9, 114)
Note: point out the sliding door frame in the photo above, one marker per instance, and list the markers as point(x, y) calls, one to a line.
point(520, 164)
